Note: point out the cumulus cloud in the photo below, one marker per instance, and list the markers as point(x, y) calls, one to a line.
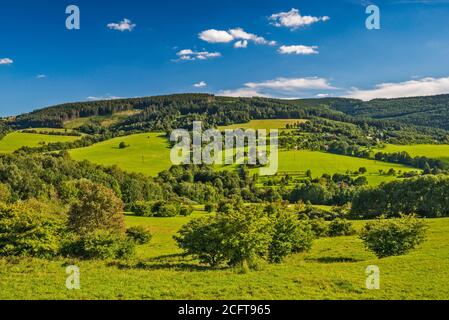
point(281, 87)
point(191, 55)
point(41, 76)
point(216, 36)
point(294, 20)
point(124, 25)
point(298, 50)
point(6, 61)
point(421, 87)
point(200, 84)
point(322, 95)
point(237, 34)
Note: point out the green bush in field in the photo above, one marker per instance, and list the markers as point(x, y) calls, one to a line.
point(243, 235)
point(320, 227)
point(99, 244)
point(27, 232)
point(210, 207)
point(204, 239)
point(164, 209)
point(393, 237)
point(96, 207)
point(340, 227)
point(185, 210)
point(139, 234)
point(142, 208)
point(290, 235)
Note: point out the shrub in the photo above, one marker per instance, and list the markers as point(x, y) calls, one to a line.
point(139, 234)
point(290, 236)
point(163, 209)
point(340, 227)
point(99, 244)
point(26, 232)
point(393, 237)
point(142, 208)
point(123, 145)
point(210, 207)
point(203, 238)
point(320, 227)
point(97, 207)
point(185, 210)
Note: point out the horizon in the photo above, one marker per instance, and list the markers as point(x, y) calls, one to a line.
point(289, 50)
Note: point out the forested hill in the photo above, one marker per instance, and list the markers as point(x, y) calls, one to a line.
point(177, 111)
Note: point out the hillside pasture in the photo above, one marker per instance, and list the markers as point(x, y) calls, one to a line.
point(334, 269)
point(435, 151)
point(264, 124)
point(146, 153)
point(15, 140)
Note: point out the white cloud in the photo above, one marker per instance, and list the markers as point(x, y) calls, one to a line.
point(190, 55)
point(200, 84)
point(294, 20)
point(41, 76)
point(106, 97)
point(6, 61)
point(241, 44)
point(216, 36)
point(322, 95)
point(289, 88)
point(125, 25)
point(237, 34)
point(298, 49)
point(292, 84)
point(422, 87)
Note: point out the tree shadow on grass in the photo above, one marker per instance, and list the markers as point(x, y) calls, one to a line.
point(176, 262)
point(333, 259)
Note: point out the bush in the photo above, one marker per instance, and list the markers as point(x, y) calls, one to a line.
point(27, 232)
point(139, 234)
point(142, 208)
point(210, 207)
point(204, 238)
point(393, 237)
point(320, 227)
point(185, 210)
point(290, 236)
point(97, 207)
point(100, 244)
point(163, 210)
point(340, 227)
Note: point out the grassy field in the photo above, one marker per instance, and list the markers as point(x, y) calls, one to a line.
point(16, 140)
point(264, 124)
point(147, 153)
point(428, 150)
point(334, 269)
point(105, 121)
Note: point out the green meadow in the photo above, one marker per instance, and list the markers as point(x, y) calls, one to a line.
point(146, 153)
point(15, 140)
point(334, 269)
point(436, 151)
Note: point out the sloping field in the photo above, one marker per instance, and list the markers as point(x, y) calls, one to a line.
point(146, 153)
point(434, 151)
point(334, 269)
point(16, 140)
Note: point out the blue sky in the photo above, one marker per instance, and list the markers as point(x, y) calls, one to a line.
point(275, 48)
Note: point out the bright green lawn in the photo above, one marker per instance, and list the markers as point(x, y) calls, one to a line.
point(334, 269)
point(264, 124)
point(428, 150)
point(16, 140)
point(147, 153)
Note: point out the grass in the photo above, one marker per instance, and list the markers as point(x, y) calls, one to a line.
point(435, 151)
point(105, 121)
point(147, 153)
point(334, 269)
point(16, 140)
point(264, 124)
